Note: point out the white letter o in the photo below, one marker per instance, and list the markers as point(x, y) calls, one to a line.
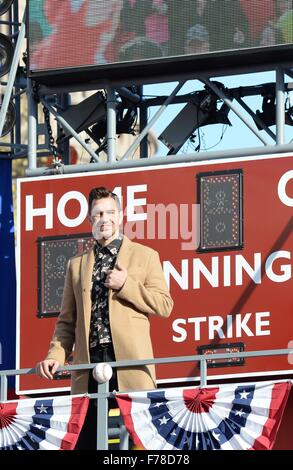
point(288, 201)
point(83, 209)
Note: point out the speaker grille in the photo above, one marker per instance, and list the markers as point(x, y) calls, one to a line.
point(53, 256)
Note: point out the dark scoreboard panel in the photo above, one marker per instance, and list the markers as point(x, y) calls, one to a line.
point(53, 256)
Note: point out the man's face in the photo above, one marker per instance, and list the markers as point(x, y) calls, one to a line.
point(105, 218)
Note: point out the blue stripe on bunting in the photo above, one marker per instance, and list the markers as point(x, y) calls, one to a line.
point(215, 437)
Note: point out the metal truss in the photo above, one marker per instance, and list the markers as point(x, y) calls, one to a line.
point(226, 97)
point(16, 83)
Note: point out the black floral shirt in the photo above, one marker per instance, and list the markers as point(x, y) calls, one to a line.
point(105, 259)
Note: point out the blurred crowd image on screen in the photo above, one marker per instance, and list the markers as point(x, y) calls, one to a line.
point(90, 32)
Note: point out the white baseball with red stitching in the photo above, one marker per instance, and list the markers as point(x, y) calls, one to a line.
point(102, 372)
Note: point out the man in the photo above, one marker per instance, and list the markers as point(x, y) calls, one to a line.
point(197, 40)
point(108, 295)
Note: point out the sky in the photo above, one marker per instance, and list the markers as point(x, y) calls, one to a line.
point(236, 136)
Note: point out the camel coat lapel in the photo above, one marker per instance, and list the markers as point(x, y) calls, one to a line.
point(87, 265)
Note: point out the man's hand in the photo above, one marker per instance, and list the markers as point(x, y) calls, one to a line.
point(116, 277)
point(47, 368)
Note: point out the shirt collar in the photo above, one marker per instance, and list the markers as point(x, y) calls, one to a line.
point(113, 247)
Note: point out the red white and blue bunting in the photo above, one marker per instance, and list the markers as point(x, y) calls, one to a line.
point(42, 424)
point(228, 417)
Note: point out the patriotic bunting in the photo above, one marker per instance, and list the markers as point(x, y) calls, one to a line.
point(228, 417)
point(42, 424)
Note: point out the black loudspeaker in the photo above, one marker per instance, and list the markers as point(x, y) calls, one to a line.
point(222, 349)
point(85, 40)
point(220, 195)
point(53, 256)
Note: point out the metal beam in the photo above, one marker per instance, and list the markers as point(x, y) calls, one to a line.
point(280, 106)
point(111, 125)
point(154, 119)
point(143, 121)
point(161, 360)
point(177, 76)
point(229, 103)
point(12, 74)
point(256, 118)
point(155, 161)
point(67, 126)
point(32, 127)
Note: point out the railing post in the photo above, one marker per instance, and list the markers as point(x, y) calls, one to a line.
point(102, 416)
point(3, 388)
point(111, 125)
point(203, 373)
point(32, 127)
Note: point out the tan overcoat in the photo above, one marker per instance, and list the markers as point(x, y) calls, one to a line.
point(144, 293)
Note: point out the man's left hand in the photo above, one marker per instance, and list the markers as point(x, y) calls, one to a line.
point(116, 277)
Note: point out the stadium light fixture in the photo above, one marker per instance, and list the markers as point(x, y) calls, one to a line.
point(6, 54)
point(10, 119)
point(200, 110)
point(268, 113)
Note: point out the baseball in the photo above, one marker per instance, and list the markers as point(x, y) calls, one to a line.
point(102, 372)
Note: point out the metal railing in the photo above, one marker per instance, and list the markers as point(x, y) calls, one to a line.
point(102, 395)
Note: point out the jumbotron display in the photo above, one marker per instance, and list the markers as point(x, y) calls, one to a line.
point(73, 34)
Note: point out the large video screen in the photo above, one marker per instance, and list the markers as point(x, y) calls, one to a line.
point(76, 33)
